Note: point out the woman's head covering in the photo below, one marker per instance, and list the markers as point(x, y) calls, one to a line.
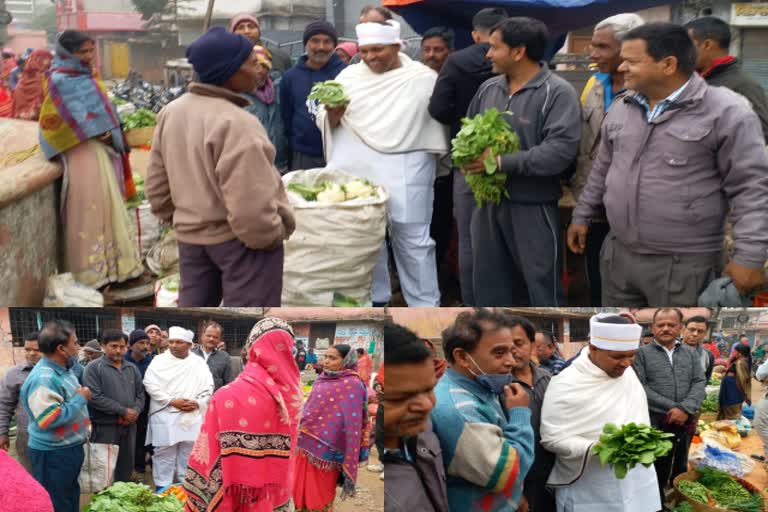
point(28, 96)
point(349, 48)
point(72, 40)
point(218, 54)
point(255, 419)
point(349, 355)
point(239, 18)
point(263, 56)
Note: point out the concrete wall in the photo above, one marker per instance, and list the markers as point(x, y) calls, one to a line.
point(109, 5)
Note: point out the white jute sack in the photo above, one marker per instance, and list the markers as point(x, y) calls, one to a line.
point(98, 467)
point(63, 291)
point(147, 228)
point(335, 246)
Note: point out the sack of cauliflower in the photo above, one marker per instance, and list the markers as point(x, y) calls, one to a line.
point(341, 222)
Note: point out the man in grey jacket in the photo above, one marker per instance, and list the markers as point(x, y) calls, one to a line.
point(515, 245)
point(118, 399)
point(674, 382)
point(219, 361)
point(411, 451)
point(10, 392)
point(674, 158)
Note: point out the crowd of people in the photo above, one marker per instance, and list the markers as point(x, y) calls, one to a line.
point(510, 426)
point(666, 143)
point(236, 430)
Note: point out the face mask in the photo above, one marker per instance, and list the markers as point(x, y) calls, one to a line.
point(71, 361)
point(494, 383)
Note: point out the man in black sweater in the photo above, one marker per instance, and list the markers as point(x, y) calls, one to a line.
point(462, 74)
point(712, 37)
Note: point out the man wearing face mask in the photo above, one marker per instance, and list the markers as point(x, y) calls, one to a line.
point(482, 418)
point(599, 387)
point(56, 405)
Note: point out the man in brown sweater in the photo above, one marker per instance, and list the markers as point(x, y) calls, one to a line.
point(212, 174)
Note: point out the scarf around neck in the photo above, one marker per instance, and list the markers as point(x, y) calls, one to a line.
point(244, 449)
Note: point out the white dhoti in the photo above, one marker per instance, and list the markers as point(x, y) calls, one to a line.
point(409, 179)
point(170, 459)
point(599, 489)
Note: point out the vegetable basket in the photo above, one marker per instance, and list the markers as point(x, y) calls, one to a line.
point(140, 136)
point(701, 507)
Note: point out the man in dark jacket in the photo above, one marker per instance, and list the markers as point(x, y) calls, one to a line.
point(460, 77)
point(319, 64)
point(674, 383)
point(411, 451)
point(516, 243)
point(118, 399)
point(219, 361)
point(712, 38)
point(694, 333)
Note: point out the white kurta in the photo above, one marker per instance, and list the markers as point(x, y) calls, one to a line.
point(169, 426)
point(599, 489)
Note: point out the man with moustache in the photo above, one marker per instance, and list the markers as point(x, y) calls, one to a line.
point(117, 402)
point(694, 333)
point(411, 451)
point(674, 381)
point(599, 387)
point(482, 418)
point(319, 65)
point(140, 355)
point(218, 360)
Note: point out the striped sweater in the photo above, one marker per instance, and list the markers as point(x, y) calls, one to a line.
point(487, 451)
point(58, 416)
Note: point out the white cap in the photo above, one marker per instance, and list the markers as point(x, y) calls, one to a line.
point(617, 337)
point(181, 334)
point(376, 33)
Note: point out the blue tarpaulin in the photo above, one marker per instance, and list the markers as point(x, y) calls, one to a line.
point(560, 16)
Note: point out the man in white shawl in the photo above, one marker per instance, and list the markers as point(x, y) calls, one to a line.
point(180, 386)
point(386, 135)
point(599, 387)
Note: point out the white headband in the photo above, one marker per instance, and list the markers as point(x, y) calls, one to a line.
point(617, 337)
point(181, 334)
point(376, 33)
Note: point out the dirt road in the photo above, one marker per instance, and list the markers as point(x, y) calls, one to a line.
point(370, 492)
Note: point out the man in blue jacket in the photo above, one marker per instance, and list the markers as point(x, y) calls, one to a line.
point(319, 64)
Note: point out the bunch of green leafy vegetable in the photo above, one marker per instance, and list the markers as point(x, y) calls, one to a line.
point(625, 447)
point(131, 497)
point(486, 130)
point(136, 200)
point(327, 192)
point(715, 381)
point(683, 507)
point(142, 118)
point(711, 403)
point(693, 490)
point(330, 93)
point(727, 492)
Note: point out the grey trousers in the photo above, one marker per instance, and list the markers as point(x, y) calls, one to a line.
point(125, 438)
point(302, 162)
point(463, 207)
point(516, 255)
point(631, 279)
point(22, 449)
point(761, 422)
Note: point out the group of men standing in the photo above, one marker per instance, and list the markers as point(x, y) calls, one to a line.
point(133, 396)
point(497, 432)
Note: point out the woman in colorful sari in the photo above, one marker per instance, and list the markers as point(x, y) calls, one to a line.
point(28, 96)
point(736, 387)
point(79, 125)
point(242, 460)
point(265, 104)
point(333, 435)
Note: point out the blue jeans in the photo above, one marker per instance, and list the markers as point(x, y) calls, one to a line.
point(57, 472)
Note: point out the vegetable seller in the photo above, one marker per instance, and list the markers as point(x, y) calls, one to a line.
point(482, 418)
point(179, 385)
point(387, 136)
point(242, 460)
point(599, 387)
point(515, 244)
point(79, 127)
point(674, 381)
point(211, 172)
point(674, 159)
point(736, 387)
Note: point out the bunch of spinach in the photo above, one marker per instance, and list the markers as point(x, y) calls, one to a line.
point(625, 447)
point(711, 403)
point(330, 93)
point(131, 497)
point(693, 490)
point(142, 118)
point(486, 130)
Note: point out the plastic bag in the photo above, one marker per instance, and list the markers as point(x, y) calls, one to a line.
point(725, 432)
point(98, 467)
point(146, 227)
point(163, 258)
point(711, 453)
point(335, 246)
point(63, 291)
point(167, 292)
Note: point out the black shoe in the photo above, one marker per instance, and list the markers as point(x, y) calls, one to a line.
point(380, 304)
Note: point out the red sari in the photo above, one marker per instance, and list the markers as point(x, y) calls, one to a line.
point(28, 96)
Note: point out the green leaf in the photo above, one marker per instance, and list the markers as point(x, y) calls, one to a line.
point(647, 457)
point(620, 470)
point(490, 164)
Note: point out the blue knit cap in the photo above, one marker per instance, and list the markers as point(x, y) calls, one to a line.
point(218, 54)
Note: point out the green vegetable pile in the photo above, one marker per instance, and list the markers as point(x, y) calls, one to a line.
point(142, 118)
point(727, 492)
point(683, 507)
point(136, 200)
point(711, 403)
point(715, 381)
point(625, 447)
point(487, 130)
point(342, 301)
point(330, 93)
point(327, 192)
point(693, 490)
point(131, 497)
